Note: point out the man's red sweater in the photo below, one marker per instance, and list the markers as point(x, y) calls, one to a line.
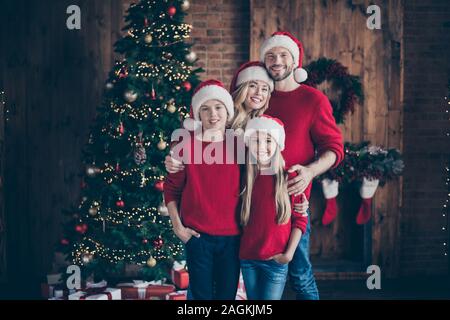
point(263, 237)
point(309, 124)
point(207, 194)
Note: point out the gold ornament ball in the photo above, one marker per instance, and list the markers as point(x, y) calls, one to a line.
point(130, 96)
point(162, 145)
point(191, 57)
point(151, 262)
point(171, 108)
point(185, 5)
point(93, 211)
point(148, 39)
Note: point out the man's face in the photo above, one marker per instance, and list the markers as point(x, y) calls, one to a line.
point(279, 63)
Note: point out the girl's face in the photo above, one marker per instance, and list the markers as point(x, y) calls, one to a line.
point(262, 147)
point(213, 115)
point(257, 94)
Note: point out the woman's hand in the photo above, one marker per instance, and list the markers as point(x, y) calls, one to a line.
point(282, 258)
point(303, 206)
point(173, 165)
point(184, 233)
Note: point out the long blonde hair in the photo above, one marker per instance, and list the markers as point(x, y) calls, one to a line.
point(282, 200)
point(241, 115)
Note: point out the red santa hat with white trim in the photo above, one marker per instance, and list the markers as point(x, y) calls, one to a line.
point(293, 45)
point(251, 71)
point(271, 125)
point(208, 90)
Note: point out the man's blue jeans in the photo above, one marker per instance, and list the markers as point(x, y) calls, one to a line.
point(264, 279)
point(300, 270)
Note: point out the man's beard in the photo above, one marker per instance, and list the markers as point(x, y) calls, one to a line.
point(283, 76)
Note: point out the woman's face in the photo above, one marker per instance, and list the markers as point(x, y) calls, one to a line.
point(257, 95)
point(262, 147)
point(213, 115)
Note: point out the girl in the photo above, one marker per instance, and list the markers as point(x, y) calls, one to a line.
point(202, 199)
point(271, 229)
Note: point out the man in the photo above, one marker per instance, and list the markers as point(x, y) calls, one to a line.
point(313, 140)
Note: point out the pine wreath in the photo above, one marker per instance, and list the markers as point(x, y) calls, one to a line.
point(325, 69)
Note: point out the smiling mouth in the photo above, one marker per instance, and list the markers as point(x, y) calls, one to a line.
point(256, 100)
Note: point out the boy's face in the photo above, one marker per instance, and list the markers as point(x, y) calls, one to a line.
point(257, 94)
point(262, 147)
point(213, 115)
point(279, 63)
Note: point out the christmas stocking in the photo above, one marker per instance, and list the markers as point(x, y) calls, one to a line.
point(367, 190)
point(330, 190)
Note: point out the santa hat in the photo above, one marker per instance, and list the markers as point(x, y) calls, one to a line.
point(208, 90)
point(330, 190)
point(367, 191)
point(272, 126)
point(252, 70)
point(293, 45)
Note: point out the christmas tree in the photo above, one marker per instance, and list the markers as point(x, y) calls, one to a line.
point(121, 219)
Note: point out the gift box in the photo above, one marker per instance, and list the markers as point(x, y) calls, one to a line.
point(177, 295)
point(97, 291)
point(180, 276)
point(55, 291)
point(140, 290)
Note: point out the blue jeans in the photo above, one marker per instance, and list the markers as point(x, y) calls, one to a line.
point(264, 280)
point(213, 264)
point(300, 271)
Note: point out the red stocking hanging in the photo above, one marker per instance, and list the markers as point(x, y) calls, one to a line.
point(330, 190)
point(367, 191)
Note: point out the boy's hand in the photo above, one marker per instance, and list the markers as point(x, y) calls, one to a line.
point(173, 165)
point(282, 258)
point(185, 234)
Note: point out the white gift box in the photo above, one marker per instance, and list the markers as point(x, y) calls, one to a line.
point(114, 292)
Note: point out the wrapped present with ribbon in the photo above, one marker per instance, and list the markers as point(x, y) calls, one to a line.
point(145, 290)
point(180, 276)
point(57, 291)
point(97, 291)
point(177, 295)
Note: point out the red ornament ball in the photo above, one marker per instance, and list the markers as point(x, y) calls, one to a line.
point(158, 243)
point(159, 186)
point(120, 203)
point(187, 86)
point(171, 11)
point(81, 228)
point(144, 241)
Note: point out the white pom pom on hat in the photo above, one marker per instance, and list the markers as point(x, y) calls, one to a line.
point(207, 90)
point(293, 45)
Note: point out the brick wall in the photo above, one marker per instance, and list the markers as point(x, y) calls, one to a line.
point(221, 36)
point(426, 148)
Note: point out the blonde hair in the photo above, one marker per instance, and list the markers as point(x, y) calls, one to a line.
point(241, 115)
point(282, 200)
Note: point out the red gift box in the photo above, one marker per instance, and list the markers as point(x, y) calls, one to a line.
point(145, 293)
point(180, 278)
point(178, 295)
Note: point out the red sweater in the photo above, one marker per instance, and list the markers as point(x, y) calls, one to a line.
point(263, 237)
point(207, 194)
point(309, 125)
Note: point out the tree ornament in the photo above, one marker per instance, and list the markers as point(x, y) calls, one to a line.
point(123, 73)
point(159, 186)
point(120, 203)
point(171, 108)
point(153, 93)
point(185, 5)
point(148, 38)
point(162, 210)
point(144, 241)
point(117, 167)
point(191, 57)
point(162, 145)
point(130, 96)
point(145, 22)
point(64, 242)
point(140, 155)
point(186, 86)
point(93, 211)
point(121, 128)
point(158, 243)
point(109, 85)
point(81, 228)
point(171, 11)
point(151, 262)
point(86, 258)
